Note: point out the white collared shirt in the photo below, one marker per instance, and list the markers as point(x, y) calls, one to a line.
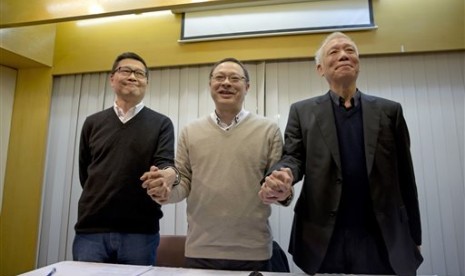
point(125, 117)
point(237, 119)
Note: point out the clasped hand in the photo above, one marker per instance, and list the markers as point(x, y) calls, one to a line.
point(158, 183)
point(277, 186)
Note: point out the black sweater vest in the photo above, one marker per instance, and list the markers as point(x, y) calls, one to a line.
point(355, 208)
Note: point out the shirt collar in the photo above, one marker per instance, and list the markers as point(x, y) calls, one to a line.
point(124, 117)
point(338, 99)
point(237, 119)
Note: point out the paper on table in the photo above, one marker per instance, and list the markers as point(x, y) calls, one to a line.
point(169, 271)
point(92, 269)
point(69, 268)
point(116, 271)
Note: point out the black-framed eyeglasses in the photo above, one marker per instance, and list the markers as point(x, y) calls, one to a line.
point(231, 78)
point(127, 71)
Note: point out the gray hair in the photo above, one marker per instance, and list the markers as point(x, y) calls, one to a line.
point(319, 52)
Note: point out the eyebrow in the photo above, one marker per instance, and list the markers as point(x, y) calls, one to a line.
point(132, 68)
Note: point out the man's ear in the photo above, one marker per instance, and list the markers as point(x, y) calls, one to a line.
point(319, 69)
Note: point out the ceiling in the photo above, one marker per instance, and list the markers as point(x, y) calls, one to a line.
point(15, 13)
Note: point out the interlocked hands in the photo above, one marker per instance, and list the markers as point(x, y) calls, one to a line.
point(277, 186)
point(158, 183)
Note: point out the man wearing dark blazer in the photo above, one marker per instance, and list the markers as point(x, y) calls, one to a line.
point(358, 209)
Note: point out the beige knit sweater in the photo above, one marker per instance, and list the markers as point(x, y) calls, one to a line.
point(221, 173)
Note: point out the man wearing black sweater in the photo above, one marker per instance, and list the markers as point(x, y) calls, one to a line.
point(358, 211)
point(117, 221)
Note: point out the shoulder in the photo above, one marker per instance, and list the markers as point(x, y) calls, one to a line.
point(311, 101)
point(199, 127)
point(260, 120)
point(260, 125)
point(197, 124)
point(379, 102)
point(154, 115)
point(100, 115)
point(146, 111)
point(309, 106)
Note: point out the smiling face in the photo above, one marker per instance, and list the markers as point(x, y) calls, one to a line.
point(340, 63)
point(228, 87)
point(129, 88)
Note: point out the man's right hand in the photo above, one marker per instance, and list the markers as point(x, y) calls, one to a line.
point(158, 183)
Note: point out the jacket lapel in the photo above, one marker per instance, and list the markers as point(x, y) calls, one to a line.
point(325, 119)
point(371, 117)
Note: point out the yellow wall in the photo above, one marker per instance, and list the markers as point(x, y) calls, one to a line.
point(19, 219)
point(419, 25)
point(433, 27)
point(34, 42)
point(25, 12)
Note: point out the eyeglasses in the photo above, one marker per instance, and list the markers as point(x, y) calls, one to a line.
point(232, 78)
point(126, 72)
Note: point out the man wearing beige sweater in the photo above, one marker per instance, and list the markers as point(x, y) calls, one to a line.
point(222, 158)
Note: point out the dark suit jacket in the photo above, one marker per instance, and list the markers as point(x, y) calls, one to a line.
point(311, 150)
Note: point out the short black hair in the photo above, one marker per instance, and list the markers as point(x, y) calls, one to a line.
point(230, 59)
point(128, 55)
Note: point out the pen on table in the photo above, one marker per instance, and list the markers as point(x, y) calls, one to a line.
point(52, 272)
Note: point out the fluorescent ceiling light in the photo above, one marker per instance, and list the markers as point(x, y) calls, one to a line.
point(95, 9)
point(118, 18)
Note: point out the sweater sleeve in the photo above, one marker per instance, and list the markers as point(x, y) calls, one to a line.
point(276, 148)
point(182, 190)
point(84, 153)
point(164, 153)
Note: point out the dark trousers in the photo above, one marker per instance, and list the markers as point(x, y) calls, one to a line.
point(222, 264)
point(356, 251)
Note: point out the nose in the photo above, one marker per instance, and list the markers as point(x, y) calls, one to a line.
point(132, 75)
point(343, 55)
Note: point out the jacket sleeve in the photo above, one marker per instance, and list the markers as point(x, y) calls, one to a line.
point(293, 151)
point(407, 182)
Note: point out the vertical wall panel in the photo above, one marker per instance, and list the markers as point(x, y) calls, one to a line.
point(7, 92)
